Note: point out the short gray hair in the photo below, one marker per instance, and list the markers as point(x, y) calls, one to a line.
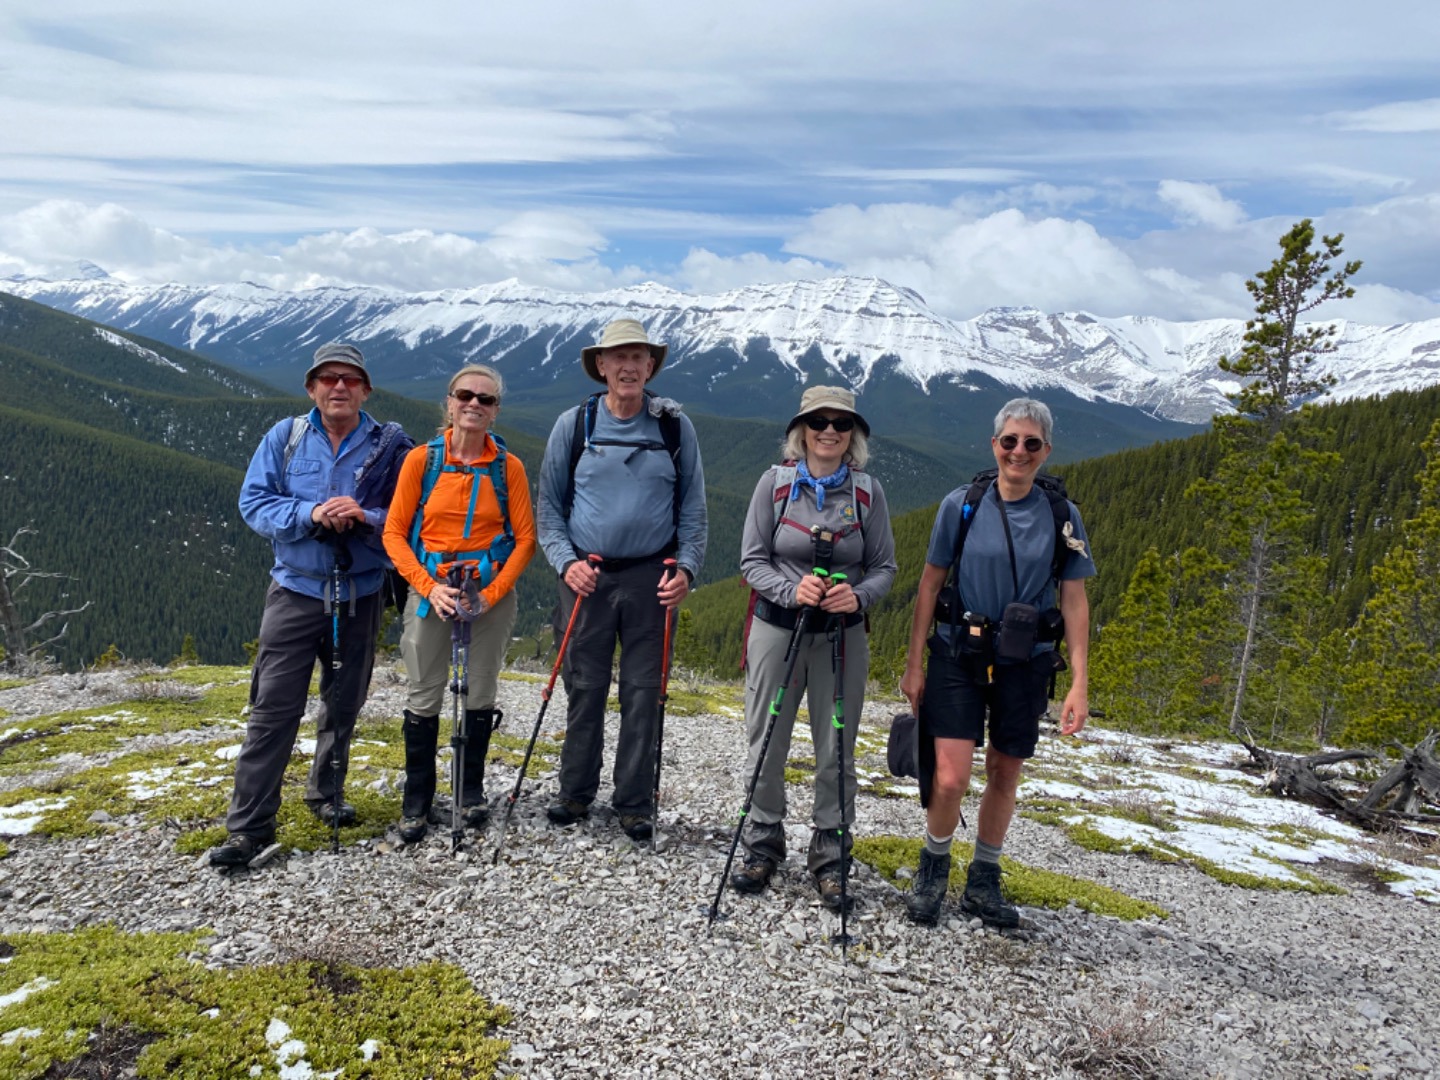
point(1024, 408)
point(792, 448)
point(469, 369)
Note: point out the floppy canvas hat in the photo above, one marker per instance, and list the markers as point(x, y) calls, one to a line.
point(338, 352)
point(827, 397)
point(621, 332)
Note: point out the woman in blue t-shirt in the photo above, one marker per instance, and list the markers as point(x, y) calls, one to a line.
point(1020, 560)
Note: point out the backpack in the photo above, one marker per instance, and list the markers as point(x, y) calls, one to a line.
point(583, 438)
point(862, 486)
point(1053, 488)
point(488, 560)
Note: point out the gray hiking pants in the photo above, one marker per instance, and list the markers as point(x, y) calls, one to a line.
point(427, 650)
point(295, 632)
point(764, 667)
point(622, 608)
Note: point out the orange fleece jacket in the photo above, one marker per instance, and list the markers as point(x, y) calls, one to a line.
point(444, 526)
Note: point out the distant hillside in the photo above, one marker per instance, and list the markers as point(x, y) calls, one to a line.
point(1135, 499)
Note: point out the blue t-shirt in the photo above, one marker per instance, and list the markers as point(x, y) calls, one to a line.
point(986, 583)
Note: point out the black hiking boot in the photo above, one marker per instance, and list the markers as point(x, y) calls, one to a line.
point(927, 892)
point(753, 876)
point(416, 804)
point(325, 811)
point(982, 897)
point(238, 849)
point(637, 826)
point(479, 723)
point(566, 811)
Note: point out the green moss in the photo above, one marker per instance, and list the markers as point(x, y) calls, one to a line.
point(800, 771)
point(509, 750)
point(14, 684)
point(524, 676)
point(1044, 817)
point(1092, 839)
point(4, 849)
point(426, 1020)
point(98, 730)
point(1022, 884)
point(710, 700)
point(1192, 772)
point(1302, 882)
point(199, 675)
point(1303, 836)
point(1222, 817)
point(1388, 876)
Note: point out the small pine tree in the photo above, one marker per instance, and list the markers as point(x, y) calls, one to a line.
point(188, 653)
point(110, 658)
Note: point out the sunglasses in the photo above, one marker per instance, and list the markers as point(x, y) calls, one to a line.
point(1033, 443)
point(467, 396)
point(334, 378)
point(841, 424)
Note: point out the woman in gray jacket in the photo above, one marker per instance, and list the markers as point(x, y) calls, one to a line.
point(816, 509)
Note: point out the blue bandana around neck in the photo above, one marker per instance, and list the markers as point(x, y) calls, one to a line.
point(819, 483)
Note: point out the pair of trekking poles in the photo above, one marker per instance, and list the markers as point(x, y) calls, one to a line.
point(835, 630)
point(665, 656)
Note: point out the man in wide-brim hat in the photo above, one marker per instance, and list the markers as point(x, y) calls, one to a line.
point(622, 480)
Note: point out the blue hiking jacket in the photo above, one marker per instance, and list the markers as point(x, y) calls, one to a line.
point(277, 502)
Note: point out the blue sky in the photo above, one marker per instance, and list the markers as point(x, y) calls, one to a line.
point(1113, 157)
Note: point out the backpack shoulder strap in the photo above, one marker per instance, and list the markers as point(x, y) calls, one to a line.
point(584, 425)
point(501, 485)
point(784, 477)
point(298, 425)
point(979, 485)
point(1060, 511)
point(864, 490)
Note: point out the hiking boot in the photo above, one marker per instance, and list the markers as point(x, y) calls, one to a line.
point(982, 897)
point(238, 849)
point(827, 882)
point(753, 876)
point(637, 826)
point(927, 892)
point(326, 813)
point(413, 829)
point(566, 811)
point(477, 813)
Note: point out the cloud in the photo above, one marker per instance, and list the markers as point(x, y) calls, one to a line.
point(704, 271)
point(1200, 204)
point(1396, 117)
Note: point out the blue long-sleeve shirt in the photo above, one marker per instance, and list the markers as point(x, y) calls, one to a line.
point(624, 498)
point(277, 502)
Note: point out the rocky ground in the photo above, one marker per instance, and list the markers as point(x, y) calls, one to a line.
point(603, 950)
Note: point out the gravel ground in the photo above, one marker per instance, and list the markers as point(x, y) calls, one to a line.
point(601, 947)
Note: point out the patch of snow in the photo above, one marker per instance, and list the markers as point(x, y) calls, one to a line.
point(16, 1034)
point(34, 986)
point(21, 819)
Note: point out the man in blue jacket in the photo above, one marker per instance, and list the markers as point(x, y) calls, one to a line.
point(621, 479)
point(300, 493)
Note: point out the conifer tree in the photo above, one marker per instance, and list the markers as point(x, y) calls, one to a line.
point(1395, 691)
point(1252, 502)
point(1278, 352)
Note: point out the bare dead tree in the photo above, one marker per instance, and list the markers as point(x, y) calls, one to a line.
point(16, 572)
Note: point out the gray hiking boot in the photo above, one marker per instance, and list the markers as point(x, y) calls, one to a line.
point(982, 897)
point(566, 811)
point(927, 892)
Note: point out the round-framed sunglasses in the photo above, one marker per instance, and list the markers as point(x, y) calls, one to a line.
point(1033, 443)
point(332, 378)
point(467, 396)
point(841, 424)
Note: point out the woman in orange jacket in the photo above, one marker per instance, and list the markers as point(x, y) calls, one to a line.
point(461, 499)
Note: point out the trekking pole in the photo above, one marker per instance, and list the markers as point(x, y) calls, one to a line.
point(510, 799)
point(460, 692)
point(330, 709)
point(837, 721)
point(665, 658)
point(792, 654)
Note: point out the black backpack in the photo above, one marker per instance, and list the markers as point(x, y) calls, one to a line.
point(585, 425)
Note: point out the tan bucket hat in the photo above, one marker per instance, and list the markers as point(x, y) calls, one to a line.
point(827, 397)
point(621, 332)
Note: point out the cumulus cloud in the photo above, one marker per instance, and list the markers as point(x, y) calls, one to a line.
point(703, 271)
point(1200, 204)
point(1396, 117)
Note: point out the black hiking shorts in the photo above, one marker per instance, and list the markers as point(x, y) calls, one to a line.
point(956, 704)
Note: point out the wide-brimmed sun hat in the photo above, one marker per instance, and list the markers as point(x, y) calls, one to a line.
point(827, 397)
point(621, 332)
point(338, 352)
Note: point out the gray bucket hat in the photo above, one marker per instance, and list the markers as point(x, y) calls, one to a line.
point(911, 752)
point(338, 352)
point(621, 332)
point(827, 397)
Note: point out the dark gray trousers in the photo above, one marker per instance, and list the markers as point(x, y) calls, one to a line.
point(295, 632)
point(622, 608)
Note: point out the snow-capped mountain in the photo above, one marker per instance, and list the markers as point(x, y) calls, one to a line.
point(879, 339)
